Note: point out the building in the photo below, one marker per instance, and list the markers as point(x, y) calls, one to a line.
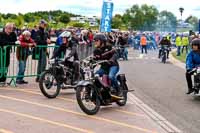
point(92, 20)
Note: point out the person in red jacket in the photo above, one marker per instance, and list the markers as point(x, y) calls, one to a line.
point(22, 54)
point(91, 37)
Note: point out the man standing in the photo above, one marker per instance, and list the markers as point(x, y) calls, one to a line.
point(178, 45)
point(7, 39)
point(143, 43)
point(42, 39)
point(22, 54)
point(185, 43)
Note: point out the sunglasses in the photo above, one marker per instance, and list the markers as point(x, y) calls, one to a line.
point(96, 40)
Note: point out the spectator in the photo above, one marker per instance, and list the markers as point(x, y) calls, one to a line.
point(22, 54)
point(7, 38)
point(178, 44)
point(143, 43)
point(90, 37)
point(185, 43)
point(42, 39)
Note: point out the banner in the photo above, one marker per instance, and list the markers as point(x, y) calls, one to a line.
point(106, 16)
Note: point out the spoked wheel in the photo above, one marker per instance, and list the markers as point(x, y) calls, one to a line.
point(164, 58)
point(49, 85)
point(87, 100)
point(124, 95)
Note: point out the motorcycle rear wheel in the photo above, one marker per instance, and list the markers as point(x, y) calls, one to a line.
point(124, 95)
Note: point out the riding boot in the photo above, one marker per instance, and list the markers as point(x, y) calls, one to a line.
point(76, 78)
point(190, 90)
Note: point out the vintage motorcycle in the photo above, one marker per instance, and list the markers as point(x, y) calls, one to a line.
point(57, 77)
point(96, 91)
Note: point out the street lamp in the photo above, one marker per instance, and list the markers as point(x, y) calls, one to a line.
point(181, 9)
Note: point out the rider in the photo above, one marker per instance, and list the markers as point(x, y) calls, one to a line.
point(192, 61)
point(164, 42)
point(106, 52)
point(71, 54)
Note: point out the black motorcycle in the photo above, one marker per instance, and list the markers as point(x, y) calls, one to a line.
point(57, 77)
point(163, 54)
point(196, 74)
point(95, 91)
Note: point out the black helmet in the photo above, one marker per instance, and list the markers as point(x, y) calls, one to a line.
point(100, 37)
point(196, 42)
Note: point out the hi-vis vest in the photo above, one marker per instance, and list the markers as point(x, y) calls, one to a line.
point(143, 41)
point(185, 41)
point(178, 41)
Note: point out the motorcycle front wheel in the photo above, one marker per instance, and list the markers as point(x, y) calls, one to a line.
point(164, 58)
point(49, 85)
point(87, 100)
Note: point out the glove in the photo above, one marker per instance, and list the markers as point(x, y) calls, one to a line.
point(67, 58)
point(18, 42)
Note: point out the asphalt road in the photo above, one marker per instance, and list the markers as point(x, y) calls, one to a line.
point(163, 88)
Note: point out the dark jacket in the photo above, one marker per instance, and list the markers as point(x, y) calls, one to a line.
point(41, 40)
point(7, 40)
point(62, 49)
point(106, 53)
point(165, 42)
point(41, 37)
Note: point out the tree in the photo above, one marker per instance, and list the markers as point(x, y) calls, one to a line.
point(166, 21)
point(80, 25)
point(141, 18)
point(117, 21)
point(28, 17)
point(65, 18)
point(193, 21)
point(150, 17)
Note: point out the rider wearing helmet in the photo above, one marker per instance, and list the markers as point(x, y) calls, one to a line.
point(162, 43)
point(106, 52)
point(192, 61)
point(71, 54)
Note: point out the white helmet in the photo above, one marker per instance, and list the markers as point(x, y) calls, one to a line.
point(66, 34)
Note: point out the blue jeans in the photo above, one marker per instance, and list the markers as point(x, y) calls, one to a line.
point(112, 75)
point(22, 68)
point(178, 50)
point(126, 53)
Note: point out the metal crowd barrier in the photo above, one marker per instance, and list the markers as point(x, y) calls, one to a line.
point(11, 71)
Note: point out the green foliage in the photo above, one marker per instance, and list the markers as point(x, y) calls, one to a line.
point(65, 18)
point(117, 21)
point(181, 58)
point(166, 21)
point(193, 21)
point(141, 18)
point(80, 25)
point(61, 18)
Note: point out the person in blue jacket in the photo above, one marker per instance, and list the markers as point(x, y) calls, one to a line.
point(192, 61)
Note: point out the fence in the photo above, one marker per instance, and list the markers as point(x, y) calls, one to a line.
point(11, 55)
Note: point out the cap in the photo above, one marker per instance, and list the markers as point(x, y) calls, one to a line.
point(43, 21)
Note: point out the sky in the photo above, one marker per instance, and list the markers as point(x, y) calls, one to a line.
point(93, 7)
